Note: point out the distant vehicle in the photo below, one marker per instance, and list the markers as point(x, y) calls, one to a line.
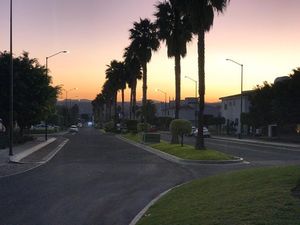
point(79, 125)
point(205, 132)
point(73, 129)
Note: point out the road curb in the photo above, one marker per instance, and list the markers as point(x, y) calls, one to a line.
point(139, 216)
point(175, 159)
point(18, 157)
point(45, 160)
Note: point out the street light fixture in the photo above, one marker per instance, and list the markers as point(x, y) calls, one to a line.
point(196, 98)
point(11, 89)
point(66, 100)
point(67, 91)
point(242, 72)
point(165, 93)
point(47, 58)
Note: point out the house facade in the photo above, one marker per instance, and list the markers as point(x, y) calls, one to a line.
point(231, 110)
point(188, 109)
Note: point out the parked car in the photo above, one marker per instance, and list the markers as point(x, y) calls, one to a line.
point(192, 132)
point(205, 132)
point(73, 129)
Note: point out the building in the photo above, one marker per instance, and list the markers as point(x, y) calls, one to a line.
point(231, 110)
point(188, 109)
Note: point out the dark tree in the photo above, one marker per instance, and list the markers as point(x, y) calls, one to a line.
point(133, 68)
point(34, 97)
point(201, 15)
point(144, 40)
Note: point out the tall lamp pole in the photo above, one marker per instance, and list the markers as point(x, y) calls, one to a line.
point(47, 58)
point(11, 89)
point(67, 91)
point(165, 93)
point(66, 101)
point(196, 98)
point(242, 71)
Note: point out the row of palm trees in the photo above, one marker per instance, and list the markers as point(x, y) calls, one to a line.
point(176, 23)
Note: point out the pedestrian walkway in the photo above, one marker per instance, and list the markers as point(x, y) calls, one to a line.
point(257, 141)
point(251, 141)
point(29, 155)
point(19, 149)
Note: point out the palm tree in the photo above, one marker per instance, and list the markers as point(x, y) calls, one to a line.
point(112, 83)
point(175, 29)
point(201, 14)
point(98, 108)
point(133, 68)
point(144, 40)
point(108, 93)
point(123, 77)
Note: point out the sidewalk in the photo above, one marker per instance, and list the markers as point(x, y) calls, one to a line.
point(258, 141)
point(251, 141)
point(29, 155)
point(21, 151)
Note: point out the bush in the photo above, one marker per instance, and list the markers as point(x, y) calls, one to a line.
point(132, 126)
point(143, 127)
point(180, 127)
point(109, 126)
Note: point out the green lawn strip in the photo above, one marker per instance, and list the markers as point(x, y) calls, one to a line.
point(132, 137)
point(249, 197)
point(185, 152)
point(189, 152)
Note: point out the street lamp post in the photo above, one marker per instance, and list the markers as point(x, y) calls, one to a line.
point(196, 98)
point(47, 58)
point(165, 93)
point(11, 89)
point(67, 91)
point(242, 77)
point(66, 101)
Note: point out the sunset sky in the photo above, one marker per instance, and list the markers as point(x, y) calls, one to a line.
point(262, 34)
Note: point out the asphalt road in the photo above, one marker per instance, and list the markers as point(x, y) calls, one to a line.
point(94, 179)
point(256, 153)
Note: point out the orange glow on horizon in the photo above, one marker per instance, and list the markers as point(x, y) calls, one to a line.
point(250, 32)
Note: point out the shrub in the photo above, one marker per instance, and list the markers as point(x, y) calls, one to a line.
point(109, 126)
point(180, 127)
point(132, 126)
point(143, 127)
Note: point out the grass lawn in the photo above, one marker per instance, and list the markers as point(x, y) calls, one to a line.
point(249, 197)
point(132, 137)
point(185, 152)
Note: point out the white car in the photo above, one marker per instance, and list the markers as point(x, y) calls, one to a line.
point(73, 129)
point(205, 132)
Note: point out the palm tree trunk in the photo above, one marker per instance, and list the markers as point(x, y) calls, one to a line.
point(177, 85)
point(134, 99)
point(130, 105)
point(123, 103)
point(201, 77)
point(175, 139)
point(144, 66)
point(115, 108)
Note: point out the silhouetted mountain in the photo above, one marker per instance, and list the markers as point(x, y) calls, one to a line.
point(85, 106)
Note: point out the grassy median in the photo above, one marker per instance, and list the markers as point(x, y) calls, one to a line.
point(185, 152)
point(249, 197)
